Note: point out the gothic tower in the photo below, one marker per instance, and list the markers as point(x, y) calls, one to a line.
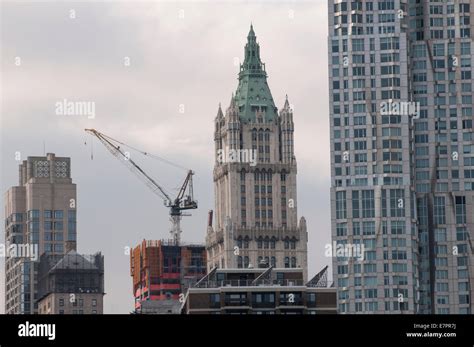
point(256, 221)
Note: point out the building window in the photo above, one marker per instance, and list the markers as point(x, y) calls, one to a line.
point(341, 212)
point(71, 215)
point(272, 243)
point(33, 215)
point(58, 214)
point(246, 262)
point(293, 262)
point(215, 300)
point(61, 302)
point(287, 262)
point(355, 204)
point(439, 210)
point(460, 210)
point(368, 204)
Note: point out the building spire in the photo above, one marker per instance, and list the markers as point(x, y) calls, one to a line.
point(219, 112)
point(252, 59)
point(248, 97)
point(287, 104)
point(251, 33)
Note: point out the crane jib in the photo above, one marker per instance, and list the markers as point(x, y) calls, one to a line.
point(183, 201)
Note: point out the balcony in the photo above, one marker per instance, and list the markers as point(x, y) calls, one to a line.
point(251, 283)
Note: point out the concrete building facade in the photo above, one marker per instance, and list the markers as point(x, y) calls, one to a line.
point(401, 113)
point(40, 215)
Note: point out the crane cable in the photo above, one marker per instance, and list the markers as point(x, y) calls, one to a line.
point(147, 154)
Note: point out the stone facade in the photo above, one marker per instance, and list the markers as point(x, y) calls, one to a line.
point(256, 221)
point(64, 303)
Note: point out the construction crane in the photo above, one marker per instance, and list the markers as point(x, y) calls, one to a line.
point(183, 201)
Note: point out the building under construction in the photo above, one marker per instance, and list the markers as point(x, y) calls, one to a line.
point(71, 284)
point(161, 271)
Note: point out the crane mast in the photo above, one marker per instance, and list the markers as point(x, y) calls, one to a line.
point(183, 201)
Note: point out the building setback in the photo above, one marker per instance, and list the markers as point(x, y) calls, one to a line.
point(161, 271)
point(71, 284)
point(260, 291)
point(256, 217)
point(402, 154)
point(40, 213)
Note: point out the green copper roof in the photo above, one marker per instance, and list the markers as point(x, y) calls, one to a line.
point(253, 92)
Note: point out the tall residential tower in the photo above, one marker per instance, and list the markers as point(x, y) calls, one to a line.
point(40, 215)
point(402, 154)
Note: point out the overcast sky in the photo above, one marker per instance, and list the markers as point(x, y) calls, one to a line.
point(180, 54)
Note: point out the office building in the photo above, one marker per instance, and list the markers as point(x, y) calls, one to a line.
point(40, 216)
point(255, 169)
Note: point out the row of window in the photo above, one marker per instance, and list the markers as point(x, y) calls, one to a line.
point(34, 227)
point(50, 214)
point(266, 243)
point(261, 298)
point(244, 261)
point(382, 5)
point(79, 302)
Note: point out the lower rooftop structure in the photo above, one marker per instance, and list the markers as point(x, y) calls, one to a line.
point(71, 284)
point(260, 291)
